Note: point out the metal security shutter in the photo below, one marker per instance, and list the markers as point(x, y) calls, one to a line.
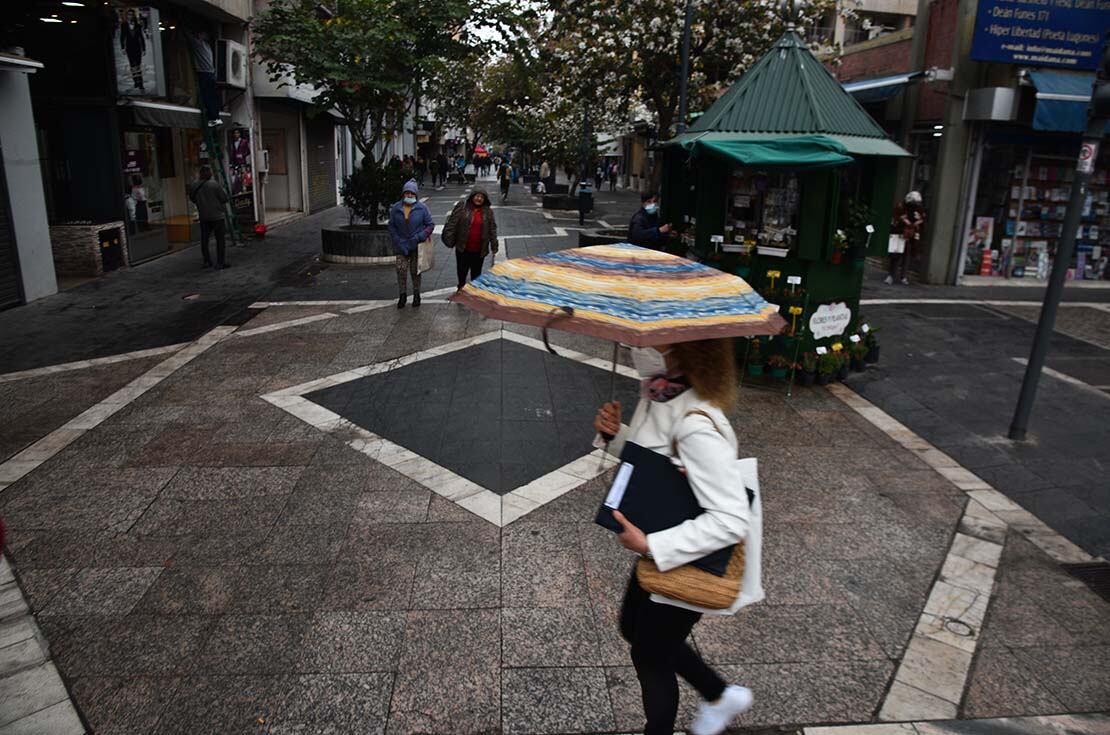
point(11, 292)
point(320, 136)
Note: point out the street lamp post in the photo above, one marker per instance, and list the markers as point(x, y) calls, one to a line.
point(684, 72)
point(1098, 113)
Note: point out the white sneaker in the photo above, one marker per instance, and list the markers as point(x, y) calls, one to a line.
point(889, 280)
point(713, 717)
point(905, 281)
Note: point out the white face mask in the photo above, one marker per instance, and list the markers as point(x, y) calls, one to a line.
point(649, 362)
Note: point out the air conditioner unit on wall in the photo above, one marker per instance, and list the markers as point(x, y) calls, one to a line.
point(231, 63)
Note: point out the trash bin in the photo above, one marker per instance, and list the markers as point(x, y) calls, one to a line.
point(111, 248)
point(585, 201)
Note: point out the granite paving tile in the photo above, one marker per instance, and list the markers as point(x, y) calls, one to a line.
point(260, 454)
point(544, 579)
point(303, 544)
point(563, 700)
point(318, 508)
point(188, 590)
point(217, 549)
point(280, 589)
point(1000, 685)
point(362, 587)
point(175, 445)
point(456, 584)
point(40, 585)
point(136, 644)
point(449, 677)
point(115, 705)
point(172, 517)
point(103, 591)
point(334, 704)
point(539, 637)
point(1079, 676)
point(627, 700)
point(353, 642)
point(785, 634)
point(253, 644)
point(231, 483)
point(229, 705)
point(406, 504)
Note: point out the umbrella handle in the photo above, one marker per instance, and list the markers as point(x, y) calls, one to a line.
point(559, 312)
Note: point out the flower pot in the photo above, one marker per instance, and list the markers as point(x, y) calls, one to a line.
point(778, 373)
point(872, 356)
point(836, 256)
point(858, 365)
point(754, 370)
point(808, 378)
point(824, 378)
point(842, 372)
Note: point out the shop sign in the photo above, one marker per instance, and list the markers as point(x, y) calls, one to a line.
point(1088, 153)
point(830, 320)
point(137, 52)
point(1065, 33)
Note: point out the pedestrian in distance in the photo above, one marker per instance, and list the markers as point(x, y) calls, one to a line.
point(441, 164)
point(211, 201)
point(471, 230)
point(504, 180)
point(599, 173)
point(410, 223)
point(644, 228)
point(613, 176)
point(908, 221)
point(688, 388)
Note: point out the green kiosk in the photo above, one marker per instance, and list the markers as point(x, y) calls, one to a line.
point(789, 183)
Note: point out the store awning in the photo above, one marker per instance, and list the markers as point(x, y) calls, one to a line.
point(880, 89)
point(1062, 100)
point(803, 151)
point(164, 115)
point(852, 145)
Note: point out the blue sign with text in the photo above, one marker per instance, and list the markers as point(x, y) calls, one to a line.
point(1065, 33)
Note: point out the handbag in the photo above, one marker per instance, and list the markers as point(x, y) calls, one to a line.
point(425, 256)
point(690, 584)
point(896, 244)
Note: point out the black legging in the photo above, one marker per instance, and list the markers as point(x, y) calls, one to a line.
point(466, 262)
point(658, 635)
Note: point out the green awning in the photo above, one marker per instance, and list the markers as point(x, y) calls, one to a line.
point(809, 151)
point(853, 145)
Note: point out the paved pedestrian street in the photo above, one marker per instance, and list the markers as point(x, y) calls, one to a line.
point(359, 519)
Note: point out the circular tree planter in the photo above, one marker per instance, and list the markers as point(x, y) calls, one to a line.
point(601, 237)
point(357, 245)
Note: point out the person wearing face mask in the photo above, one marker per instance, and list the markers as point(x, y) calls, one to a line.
point(410, 223)
point(644, 229)
point(471, 231)
point(686, 391)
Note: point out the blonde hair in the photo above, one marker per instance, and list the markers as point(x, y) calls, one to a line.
point(710, 366)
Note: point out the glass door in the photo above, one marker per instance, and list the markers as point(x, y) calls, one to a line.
point(144, 196)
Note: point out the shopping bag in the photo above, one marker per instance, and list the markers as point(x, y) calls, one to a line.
point(896, 244)
point(425, 256)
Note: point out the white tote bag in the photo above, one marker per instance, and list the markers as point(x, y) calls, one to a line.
point(425, 256)
point(896, 244)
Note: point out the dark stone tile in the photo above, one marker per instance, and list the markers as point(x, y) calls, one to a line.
point(405, 504)
point(344, 703)
point(169, 517)
point(573, 700)
point(1078, 676)
point(457, 584)
point(627, 700)
point(1000, 685)
point(135, 645)
point(230, 483)
point(318, 508)
point(303, 544)
point(40, 585)
point(254, 644)
point(353, 642)
point(236, 705)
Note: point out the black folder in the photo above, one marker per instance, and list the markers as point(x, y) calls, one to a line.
point(657, 497)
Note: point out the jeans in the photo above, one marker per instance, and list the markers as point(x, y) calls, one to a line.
point(215, 227)
point(408, 265)
point(658, 633)
point(468, 262)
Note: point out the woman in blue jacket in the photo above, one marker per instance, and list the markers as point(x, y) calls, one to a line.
point(410, 223)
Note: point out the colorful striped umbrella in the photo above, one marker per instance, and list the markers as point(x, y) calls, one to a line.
point(623, 292)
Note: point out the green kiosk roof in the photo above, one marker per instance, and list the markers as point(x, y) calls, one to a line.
point(788, 96)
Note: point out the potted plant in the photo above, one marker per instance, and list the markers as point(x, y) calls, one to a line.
point(755, 359)
point(809, 368)
point(827, 365)
point(778, 365)
point(858, 351)
point(840, 244)
point(841, 365)
point(872, 342)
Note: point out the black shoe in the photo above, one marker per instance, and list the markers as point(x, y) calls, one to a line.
point(401, 301)
point(207, 264)
point(224, 265)
point(415, 300)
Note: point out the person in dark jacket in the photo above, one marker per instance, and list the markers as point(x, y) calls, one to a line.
point(472, 231)
point(211, 201)
point(133, 42)
point(410, 223)
point(644, 229)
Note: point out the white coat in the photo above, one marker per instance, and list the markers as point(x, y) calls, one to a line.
point(718, 480)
